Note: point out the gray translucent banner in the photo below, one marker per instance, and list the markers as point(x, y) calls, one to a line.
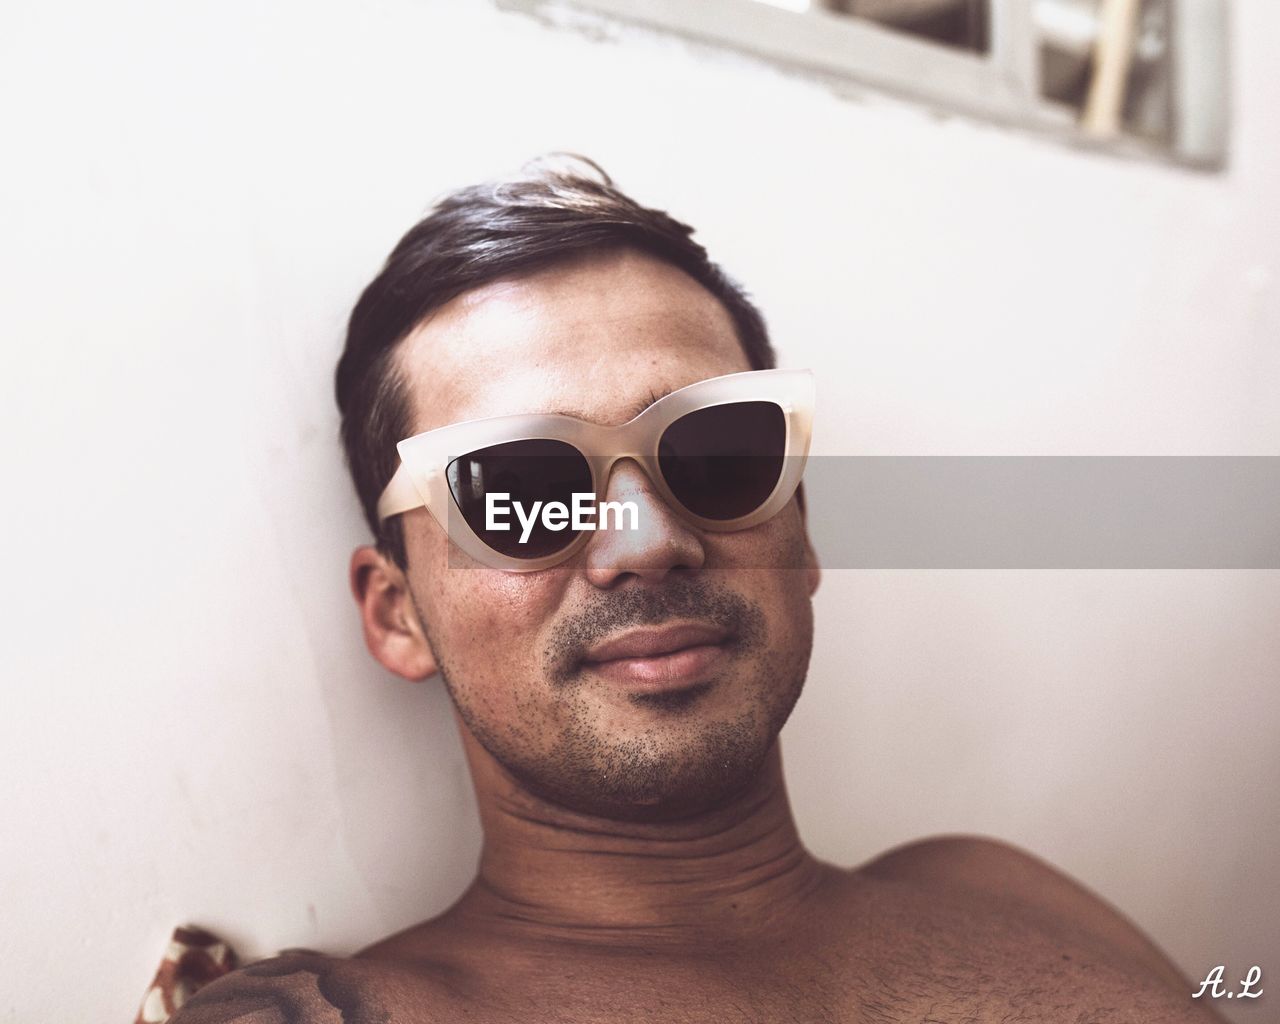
point(1009, 512)
point(1045, 512)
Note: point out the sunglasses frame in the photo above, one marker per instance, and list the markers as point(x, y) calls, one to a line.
point(421, 479)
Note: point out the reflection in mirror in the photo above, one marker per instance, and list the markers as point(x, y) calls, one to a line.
point(960, 23)
point(1108, 60)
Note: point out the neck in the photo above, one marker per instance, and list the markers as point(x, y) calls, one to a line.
point(549, 872)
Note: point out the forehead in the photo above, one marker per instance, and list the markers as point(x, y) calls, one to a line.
point(593, 338)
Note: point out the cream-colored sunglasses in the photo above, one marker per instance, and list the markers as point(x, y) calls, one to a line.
point(726, 453)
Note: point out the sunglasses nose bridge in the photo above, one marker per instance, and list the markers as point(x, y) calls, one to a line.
point(602, 467)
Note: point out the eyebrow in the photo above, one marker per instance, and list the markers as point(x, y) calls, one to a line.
point(644, 403)
point(630, 413)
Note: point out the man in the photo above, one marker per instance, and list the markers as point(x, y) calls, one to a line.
point(620, 691)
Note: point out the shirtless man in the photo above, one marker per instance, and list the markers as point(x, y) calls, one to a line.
point(620, 704)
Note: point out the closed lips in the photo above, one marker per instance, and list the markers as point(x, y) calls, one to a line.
point(655, 642)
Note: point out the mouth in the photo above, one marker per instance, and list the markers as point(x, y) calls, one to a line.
point(657, 658)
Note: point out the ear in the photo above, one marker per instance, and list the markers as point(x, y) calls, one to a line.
point(811, 566)
point(392, 631)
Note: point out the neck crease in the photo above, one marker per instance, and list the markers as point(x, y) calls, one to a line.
point(733, 872)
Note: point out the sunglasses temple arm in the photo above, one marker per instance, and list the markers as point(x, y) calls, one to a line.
point(400, 495)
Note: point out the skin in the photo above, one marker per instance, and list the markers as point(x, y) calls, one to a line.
point(640, 859)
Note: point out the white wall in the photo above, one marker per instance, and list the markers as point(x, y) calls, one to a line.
point(193, 197)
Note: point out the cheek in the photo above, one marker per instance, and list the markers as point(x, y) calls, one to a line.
point(776, 545)
point(771, 564)
point(484, 625)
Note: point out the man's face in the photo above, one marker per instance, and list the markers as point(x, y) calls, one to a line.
point(524, 655)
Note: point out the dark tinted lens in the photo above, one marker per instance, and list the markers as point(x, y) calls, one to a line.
point(724, 461)
point(529, 472)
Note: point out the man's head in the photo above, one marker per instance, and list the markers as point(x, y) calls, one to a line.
point(558, 294)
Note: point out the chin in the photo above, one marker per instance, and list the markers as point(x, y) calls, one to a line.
point(668, 770)
point(654, 756)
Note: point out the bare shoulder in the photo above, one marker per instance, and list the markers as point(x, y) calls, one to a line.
point(294, 988)
point(997, 868)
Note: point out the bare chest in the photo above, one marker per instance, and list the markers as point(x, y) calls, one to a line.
point(871, 955)
point(955, 976)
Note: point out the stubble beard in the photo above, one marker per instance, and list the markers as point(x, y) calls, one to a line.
point(687, 761)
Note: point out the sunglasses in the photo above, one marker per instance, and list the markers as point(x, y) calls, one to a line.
point(725, 453)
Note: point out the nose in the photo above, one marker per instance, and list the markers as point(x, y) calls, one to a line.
point(661, 542)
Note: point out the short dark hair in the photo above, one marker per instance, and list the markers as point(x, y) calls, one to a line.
point(558, 208)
